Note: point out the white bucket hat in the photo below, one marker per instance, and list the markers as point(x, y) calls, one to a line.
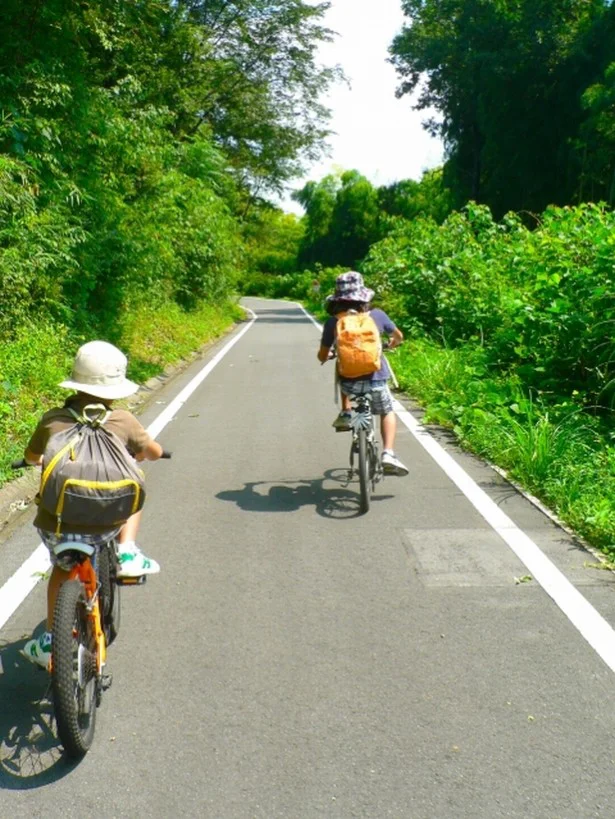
point(100, 370)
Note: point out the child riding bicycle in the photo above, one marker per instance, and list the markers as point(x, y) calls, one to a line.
point(98, 377)
point(351, 296)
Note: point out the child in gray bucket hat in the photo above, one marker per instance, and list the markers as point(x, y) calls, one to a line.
point(351, 294)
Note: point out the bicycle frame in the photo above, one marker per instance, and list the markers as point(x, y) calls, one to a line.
point(365, 446)
point(77, 557)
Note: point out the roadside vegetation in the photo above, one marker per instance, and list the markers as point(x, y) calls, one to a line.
point(136, 143)
point(140, 145)
point(500, 266)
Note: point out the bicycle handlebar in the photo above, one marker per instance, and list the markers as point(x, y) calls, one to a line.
point(23, 464)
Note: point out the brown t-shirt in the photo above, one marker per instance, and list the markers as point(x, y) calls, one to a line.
point(121, 422)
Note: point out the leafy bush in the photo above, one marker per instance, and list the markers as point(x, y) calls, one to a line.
point(311, 286)
point(541, 302)
point(556, 451)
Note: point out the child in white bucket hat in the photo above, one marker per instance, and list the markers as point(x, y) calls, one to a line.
point(98, 376)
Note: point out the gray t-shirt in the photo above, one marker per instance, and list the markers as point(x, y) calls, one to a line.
point(384, 325)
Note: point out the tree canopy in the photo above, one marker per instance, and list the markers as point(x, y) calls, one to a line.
point(511, 83)
point(133, 137)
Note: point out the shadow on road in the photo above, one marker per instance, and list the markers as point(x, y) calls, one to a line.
point(337, 502)
point(30, 752)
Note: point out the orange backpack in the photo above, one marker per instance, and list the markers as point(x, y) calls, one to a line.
point(359, 347)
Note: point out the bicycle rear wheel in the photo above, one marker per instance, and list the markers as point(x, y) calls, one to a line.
point(110, 592)
point(364, 470)
point(74, 677)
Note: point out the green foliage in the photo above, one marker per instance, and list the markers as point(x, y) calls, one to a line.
point(541, 302)
point(341, 219)
point(272, 240)
point(41, 354)
point(259, 83)
point(556, 451)
point(132, 137)
point(410, 199)
point(506, 80)
point(31, 366)
point(345, 214)
point(310, 286)
point(596, 145)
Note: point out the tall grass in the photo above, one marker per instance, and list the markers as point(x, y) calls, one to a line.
point(558, 452)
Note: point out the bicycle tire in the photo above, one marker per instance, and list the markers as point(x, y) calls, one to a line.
point(110, 593)
point(364, 479)
point(73, 651)
point(372, 458)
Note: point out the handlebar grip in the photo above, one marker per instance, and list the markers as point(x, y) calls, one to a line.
point(166, 454)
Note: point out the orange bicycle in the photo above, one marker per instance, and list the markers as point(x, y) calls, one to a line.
point(86, 620)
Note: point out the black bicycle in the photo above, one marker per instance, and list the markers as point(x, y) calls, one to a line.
point(364, 448)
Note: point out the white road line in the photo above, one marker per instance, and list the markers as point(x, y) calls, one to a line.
point(19, 586)
point(591, 625)
point(15, 590)
point(167, 414)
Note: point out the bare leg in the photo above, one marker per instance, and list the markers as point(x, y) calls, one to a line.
point(345, 403)
point(388, 429)
point(58, 577)
point(130, 528)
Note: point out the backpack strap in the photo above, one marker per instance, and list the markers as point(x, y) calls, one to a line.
point(92, 415)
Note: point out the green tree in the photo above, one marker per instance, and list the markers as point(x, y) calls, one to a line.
point(260, 84)
point(506, 79)
point(318, 201)
point(410, 199)
point(341, 219)
point(596, 145)
point(272, 240)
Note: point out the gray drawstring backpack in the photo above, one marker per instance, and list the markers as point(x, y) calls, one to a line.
point(88, 477)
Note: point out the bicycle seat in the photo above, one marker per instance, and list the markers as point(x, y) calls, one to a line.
point(73, 546)
point(71, 552)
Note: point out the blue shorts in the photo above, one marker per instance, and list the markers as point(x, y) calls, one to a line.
point(382, 400)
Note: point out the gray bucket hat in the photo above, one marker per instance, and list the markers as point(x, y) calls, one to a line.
point(350, 287)
point(100, 370)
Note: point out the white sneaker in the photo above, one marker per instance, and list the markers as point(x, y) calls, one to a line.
point(392, 465)
point(132, 561)
point(38, 650)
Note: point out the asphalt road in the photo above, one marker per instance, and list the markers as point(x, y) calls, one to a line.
point(296, 660)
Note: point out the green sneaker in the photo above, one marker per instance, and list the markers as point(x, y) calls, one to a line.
point(342, 422)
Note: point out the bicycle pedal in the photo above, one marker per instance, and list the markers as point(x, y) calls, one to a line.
point(131, 581)
point(107, 681)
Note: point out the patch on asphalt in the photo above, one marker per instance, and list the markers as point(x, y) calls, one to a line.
point(464, 557)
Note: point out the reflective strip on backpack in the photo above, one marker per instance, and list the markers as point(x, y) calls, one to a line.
point(96, 485)
point(55, 459)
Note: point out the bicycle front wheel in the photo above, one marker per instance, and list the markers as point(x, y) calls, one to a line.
point(364, 477)
point(74, 677)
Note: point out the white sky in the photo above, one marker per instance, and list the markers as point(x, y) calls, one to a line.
point(376, 133)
